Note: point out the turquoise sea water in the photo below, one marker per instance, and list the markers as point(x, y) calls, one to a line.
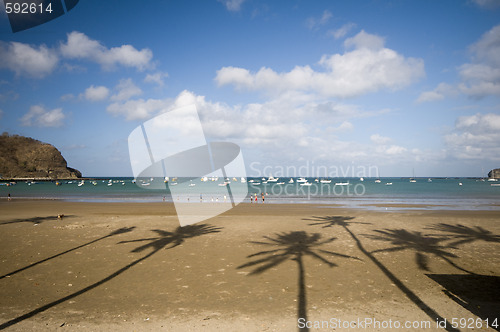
point(436, 193)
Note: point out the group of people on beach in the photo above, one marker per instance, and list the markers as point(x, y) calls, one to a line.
point(253, 198)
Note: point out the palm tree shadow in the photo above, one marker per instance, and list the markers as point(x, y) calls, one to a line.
point(422, 245)
point(175, 238)
point(116, 232)
point(292, 246)
point(330, 221)
point(464, 234)
point(34, 220)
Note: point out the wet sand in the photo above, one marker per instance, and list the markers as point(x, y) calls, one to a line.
point(130, 267)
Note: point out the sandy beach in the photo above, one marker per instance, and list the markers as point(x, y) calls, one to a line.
point(257, 267)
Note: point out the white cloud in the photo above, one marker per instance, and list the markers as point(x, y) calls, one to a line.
point(156, 78)
point(316, 22)
point(67, 96)
point(96, 93)
point(27, 60)
point(488, 4)
point(9, 95)
point(232, 5)
point(365, 40)
point(440, 92)
point(395, 149)
point(79, 46)
point(138, 109)
point(478, 78)
point(296, 124)
point(342, 31)
point(369, 67)
point(475, 136)
point(345, 125)
point(382, 147)
point(39, 117)
point(126, 89)
point(379, 139)
point(482, 77)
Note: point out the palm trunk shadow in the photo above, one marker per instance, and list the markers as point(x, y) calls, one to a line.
point(75, 294)
point(302, 298)
point(118, 231)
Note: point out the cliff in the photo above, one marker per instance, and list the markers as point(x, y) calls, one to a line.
point(24, 157)
point(494, 173)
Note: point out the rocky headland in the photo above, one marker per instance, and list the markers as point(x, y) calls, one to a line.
point(26, 158)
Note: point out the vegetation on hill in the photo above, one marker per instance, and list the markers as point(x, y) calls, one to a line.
point(25, 157)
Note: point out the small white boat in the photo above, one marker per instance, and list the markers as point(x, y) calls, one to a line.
point(413, 180)
point(280, 183)
point(460, 184)
point(243, 180)
point(305, 184)
point(145, 184)
point(342, 183)
point(492, 180)
point(377, 181)
point(81, 183)
point(325, 181)
point(291, 181)
point(495, 184)
point(272, 179)
point(255, 183)
point(110, 183)
point(361, 179)
point(388, 184)
point(429, 180)
point(301, 180)
point(251, 181)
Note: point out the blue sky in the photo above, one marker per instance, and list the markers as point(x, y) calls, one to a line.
point(401, 86)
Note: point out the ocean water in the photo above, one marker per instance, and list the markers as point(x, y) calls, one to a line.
point(435, 193)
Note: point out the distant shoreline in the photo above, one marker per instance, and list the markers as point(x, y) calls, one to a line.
point(250, 177)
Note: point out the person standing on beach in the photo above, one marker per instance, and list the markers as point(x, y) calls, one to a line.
point(8, 197)
point(262, 198)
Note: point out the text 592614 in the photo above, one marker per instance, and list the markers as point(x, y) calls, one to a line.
point(27, 8)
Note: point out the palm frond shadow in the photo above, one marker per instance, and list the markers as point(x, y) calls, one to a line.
point(292, 246)
point(422, 245)
point(34, 220)
point(122, 230)
point(331, 221)
point(344, 222)
point(175, 238)
point(464, 234)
